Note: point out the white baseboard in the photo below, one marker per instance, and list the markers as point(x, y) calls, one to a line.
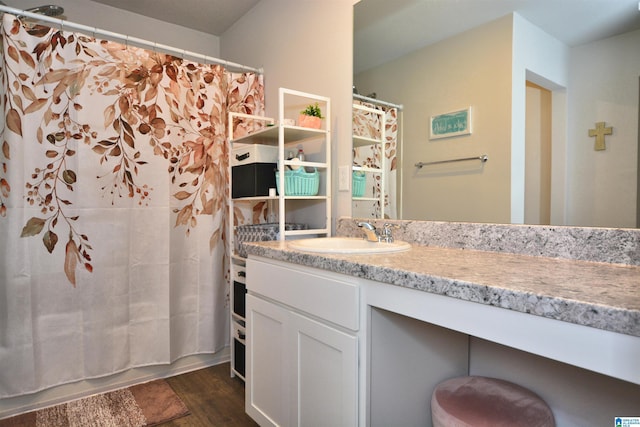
point(66, 392)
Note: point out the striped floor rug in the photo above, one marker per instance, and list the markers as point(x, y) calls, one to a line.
point(141, 405)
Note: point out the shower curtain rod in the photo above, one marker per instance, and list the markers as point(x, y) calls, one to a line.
point(377, 101)
point(128, 40)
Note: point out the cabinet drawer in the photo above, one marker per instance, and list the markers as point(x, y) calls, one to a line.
point(240, 273)
point(321, 294)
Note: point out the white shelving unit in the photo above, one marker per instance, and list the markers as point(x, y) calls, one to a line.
point(313, 210)
point(378, 170)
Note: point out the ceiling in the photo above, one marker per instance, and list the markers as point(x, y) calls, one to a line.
point(385, 30)
point(209, 16)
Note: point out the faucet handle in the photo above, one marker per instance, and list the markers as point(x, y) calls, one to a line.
point(387, 233)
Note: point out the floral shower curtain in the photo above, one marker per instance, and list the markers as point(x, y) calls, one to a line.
point(113, 189)
point(366, 124)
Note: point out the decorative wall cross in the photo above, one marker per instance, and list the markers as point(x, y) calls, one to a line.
point(599, 132)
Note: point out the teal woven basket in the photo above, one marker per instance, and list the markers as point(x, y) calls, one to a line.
point(299, 182)
point(358, 183)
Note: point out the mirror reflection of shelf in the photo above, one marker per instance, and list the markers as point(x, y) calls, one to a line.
point(367, 169)
point(377, 146)
point(360, 141)
point(366, 199)
point(375, 129)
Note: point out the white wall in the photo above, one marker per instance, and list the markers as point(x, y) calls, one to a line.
point(471, 69)
point(604, 88)
point(304, 45)
point(539, 58)
point(119, 21)
point(576, 396)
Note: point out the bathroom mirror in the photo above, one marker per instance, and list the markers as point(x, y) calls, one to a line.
point(532, 91)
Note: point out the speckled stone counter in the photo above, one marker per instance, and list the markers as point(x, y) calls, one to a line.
point(547, 283)
point(611, 245)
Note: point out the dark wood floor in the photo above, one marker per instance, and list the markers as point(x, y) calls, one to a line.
point(212, 396)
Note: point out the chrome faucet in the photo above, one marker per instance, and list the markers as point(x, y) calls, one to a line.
point(374, 235)
point(370, 231)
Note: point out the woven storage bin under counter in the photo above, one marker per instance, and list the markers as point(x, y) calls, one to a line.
point(260, 233)
point(299, 182)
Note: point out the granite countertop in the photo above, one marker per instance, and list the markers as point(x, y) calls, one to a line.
point(595, 294)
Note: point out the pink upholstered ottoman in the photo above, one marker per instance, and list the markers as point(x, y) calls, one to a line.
point(487, 402)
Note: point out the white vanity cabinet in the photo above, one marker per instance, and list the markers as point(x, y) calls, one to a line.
point(302, 365)
point(430, 314)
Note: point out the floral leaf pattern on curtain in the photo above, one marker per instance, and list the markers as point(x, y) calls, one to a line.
point(114, 170)
point(148, 99)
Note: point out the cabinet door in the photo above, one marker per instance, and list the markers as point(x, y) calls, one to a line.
point(266, 392)
point(300, 372)
point(324, 383)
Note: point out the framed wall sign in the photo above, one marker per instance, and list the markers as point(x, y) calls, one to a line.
point(455, 123)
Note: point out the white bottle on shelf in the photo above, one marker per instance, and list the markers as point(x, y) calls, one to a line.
point(272, 215)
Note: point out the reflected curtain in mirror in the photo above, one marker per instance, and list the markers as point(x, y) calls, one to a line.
point(379, 199)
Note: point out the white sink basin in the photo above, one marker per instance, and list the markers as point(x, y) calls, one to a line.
point(347, 245)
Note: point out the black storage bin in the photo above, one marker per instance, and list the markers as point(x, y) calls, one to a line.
point(239, 292)
point(253, 179)
point(238, 356)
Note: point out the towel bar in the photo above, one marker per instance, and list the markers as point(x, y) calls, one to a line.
point(482, 158)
